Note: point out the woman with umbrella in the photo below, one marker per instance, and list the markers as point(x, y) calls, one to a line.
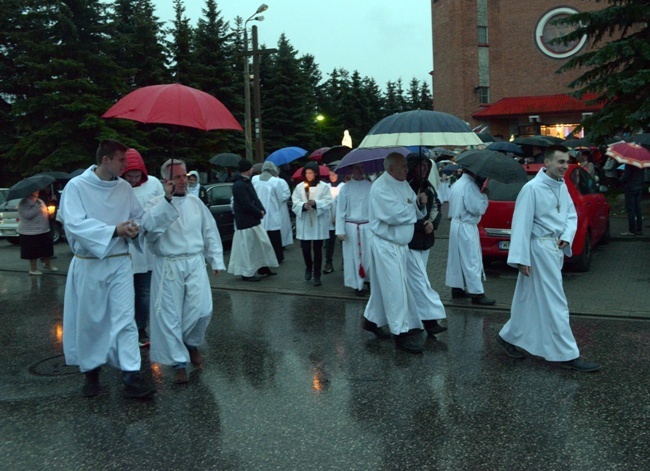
point(34, 229)
point(311, 203)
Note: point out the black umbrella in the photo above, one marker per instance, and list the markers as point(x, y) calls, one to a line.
point(420, 128)
point(226, 160)
point(485, 136)
point(553, 139)
point(56, 175)
point(28, 186)
point(573, 143)
point(641, 139)
point(493, 165)
point(334, 153)
point(532, 141)
point(505, 147)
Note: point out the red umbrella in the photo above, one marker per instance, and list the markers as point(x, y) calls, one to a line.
point(318, 154)
point(174, 104)
point(629, 153)
point(323, 171)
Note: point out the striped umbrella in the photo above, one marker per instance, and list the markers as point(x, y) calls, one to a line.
point(420, 128)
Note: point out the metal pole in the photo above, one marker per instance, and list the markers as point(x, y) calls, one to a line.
point(247, 99)
point(257, 100)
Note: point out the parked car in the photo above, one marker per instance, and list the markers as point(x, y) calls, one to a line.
point(591, 206)
point(9, 223)
point(218, 197)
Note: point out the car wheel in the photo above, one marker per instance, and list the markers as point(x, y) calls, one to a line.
point(582, 262)
point(607, 236)
point(14, 240)
point(55, 231)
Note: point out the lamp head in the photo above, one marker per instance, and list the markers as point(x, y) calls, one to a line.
point(262, 7)
point(259, 18)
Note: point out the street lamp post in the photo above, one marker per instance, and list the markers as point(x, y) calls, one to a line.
point(247, 79)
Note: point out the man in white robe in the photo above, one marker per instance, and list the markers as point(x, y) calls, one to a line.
point(273, 193)
point(465, 260)
point(100, 211)
point(352, 228)
point(182, 233)
point(393, 210)
point(543, 226)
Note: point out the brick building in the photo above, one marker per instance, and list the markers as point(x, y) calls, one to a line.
point(494, 66)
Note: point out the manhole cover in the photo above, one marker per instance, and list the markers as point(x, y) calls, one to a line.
point(53, 366)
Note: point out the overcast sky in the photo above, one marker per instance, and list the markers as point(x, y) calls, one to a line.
point(383, 39)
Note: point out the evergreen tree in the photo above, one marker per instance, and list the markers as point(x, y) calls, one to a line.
point(617, 66)
point(180, 47)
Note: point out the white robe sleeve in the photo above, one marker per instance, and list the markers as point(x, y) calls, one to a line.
point(571, 224)
point(341, 210)
point(391, 210)
point(522, 228)
point(324, 197)
point(160, 214)
point(476, 203)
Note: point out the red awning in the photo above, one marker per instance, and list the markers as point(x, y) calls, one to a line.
point(537, 105)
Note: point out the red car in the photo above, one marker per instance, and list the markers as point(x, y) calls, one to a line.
point(591, 206)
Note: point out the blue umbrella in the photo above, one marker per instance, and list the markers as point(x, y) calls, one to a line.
point(420, 128)
point(506, 147)
point(286, 155)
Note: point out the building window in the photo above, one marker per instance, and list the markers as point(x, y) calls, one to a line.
point(483, 94)
point(482, 35)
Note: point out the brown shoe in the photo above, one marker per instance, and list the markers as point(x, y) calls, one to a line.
point(180, 377)
point(196, 358)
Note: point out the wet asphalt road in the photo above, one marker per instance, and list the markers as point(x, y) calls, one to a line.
point(291, 382)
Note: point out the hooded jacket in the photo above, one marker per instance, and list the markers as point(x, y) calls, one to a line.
point(245, 203)
point(134, 162)
point(422, 240)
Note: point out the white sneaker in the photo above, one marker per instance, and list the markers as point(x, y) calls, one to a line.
point(35, 272)
point(52, 268)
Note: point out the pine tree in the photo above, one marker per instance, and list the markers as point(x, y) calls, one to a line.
point(617, 66)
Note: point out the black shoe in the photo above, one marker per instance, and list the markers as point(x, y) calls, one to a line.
point(510, 349)
point(308, 275)
point(91, 388)
point(459, 293)
point(433, 327)
point(136, 387)
point(375, 329)
point(359, 292)
point(266, 271)
point(251, 278)
point(408, 343)
point(579, 364)
point(482, 300)
point(328, 268)
point(317, 281)
point(143, 339)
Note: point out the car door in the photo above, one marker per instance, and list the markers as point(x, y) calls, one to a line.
point(219, 202)
point(593, 205)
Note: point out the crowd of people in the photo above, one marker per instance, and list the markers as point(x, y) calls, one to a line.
point(138, 277)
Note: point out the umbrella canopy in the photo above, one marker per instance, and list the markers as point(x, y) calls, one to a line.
point(372, 160)
point(450, 168)
point(226, 160)
point(323, 171)
point(56, 175)
point(286, 155)
point(28, 186)
point(485, 136)
point(420, 128)
point(77, 172)
point(317, 155)
point(552, 139)
point(506, 147)
point(335, 153)
point(532, 141)
point(493, 165)
point(641, 139)
point(174, 104)
point(574, 143)
point(629, 153)
point(443, 151)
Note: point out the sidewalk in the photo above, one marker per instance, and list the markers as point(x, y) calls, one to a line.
point(616, 286)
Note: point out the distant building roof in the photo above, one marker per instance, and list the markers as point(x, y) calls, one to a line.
point(532, 105)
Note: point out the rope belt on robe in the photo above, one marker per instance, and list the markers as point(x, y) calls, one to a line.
point(483, 277)
point(127, 254)
point(555, 240)
point(362, 271)
point(167, 273)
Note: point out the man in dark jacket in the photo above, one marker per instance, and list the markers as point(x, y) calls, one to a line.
point(422, 296)
point(632, 180)
point(251, 248)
